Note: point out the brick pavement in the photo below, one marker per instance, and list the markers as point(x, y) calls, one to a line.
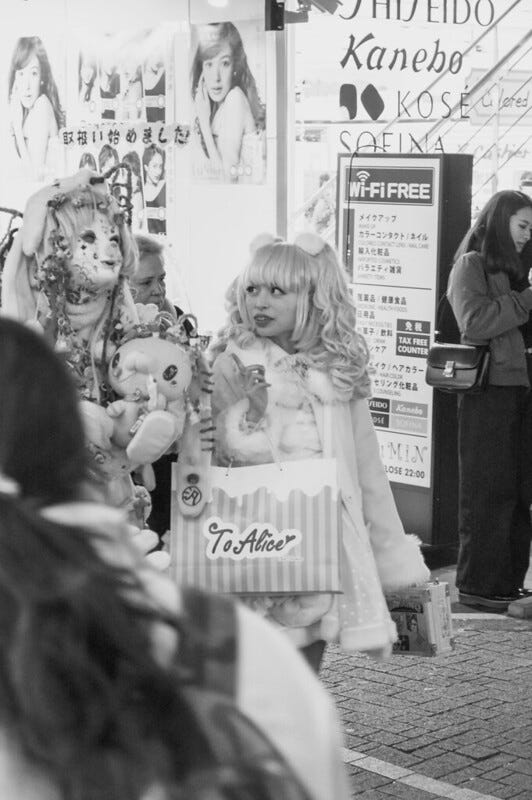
point(457, 725)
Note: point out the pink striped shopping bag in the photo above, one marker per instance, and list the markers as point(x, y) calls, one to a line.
point(266, 529)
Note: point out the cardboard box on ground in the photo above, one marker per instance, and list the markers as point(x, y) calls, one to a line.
point(422, 615)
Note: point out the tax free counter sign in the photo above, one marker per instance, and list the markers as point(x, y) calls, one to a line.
point(396, 185)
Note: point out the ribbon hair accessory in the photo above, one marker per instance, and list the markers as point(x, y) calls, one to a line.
point(311, 243)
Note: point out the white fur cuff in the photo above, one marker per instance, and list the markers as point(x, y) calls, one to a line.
point(236, 440)
point(400, 564)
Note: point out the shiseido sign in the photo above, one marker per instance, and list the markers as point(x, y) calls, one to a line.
point(410, 186)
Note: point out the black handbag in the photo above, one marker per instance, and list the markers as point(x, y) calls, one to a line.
point(458, 367)
point(451, 366)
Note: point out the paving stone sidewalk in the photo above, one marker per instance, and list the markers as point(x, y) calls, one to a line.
point(457, 725)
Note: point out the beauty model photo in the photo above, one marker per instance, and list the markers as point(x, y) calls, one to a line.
point(35, 112)
point(230, 117)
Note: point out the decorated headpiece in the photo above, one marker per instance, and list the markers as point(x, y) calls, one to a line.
point(19, 289)
point(165, 326)
point(94, 194)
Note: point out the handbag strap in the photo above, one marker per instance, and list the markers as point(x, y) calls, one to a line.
point(446, 329)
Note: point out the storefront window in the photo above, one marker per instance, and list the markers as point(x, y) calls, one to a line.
point(407, 77)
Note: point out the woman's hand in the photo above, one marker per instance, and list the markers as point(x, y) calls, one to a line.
point(15, 110)
point(203, 105)
point(254, 387)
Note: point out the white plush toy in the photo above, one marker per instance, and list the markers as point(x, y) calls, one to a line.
point(151, 375)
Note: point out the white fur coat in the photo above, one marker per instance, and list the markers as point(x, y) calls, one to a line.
point(304, 418)
point(352, 441)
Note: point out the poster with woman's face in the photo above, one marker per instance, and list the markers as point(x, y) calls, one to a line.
point(122, 77)
point(125, 79)
point(32, 113)
point(228, 103)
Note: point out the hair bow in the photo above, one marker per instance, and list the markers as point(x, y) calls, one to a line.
point(262, 240)
point(311, 243)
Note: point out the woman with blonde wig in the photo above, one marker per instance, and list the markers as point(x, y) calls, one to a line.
point(290, 312)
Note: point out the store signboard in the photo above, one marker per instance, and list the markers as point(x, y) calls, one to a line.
point(388, 234)
point(400, 76)
point(509, 99)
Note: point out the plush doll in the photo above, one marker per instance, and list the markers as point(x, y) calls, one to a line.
point(151, 373)
point(162, 384)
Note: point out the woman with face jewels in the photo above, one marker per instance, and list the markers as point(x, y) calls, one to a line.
point(490, 293)
point(67, 275)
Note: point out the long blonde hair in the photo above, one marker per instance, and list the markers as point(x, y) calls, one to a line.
point(325, 314)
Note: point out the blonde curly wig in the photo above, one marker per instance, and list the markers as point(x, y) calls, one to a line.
point(325, 317)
